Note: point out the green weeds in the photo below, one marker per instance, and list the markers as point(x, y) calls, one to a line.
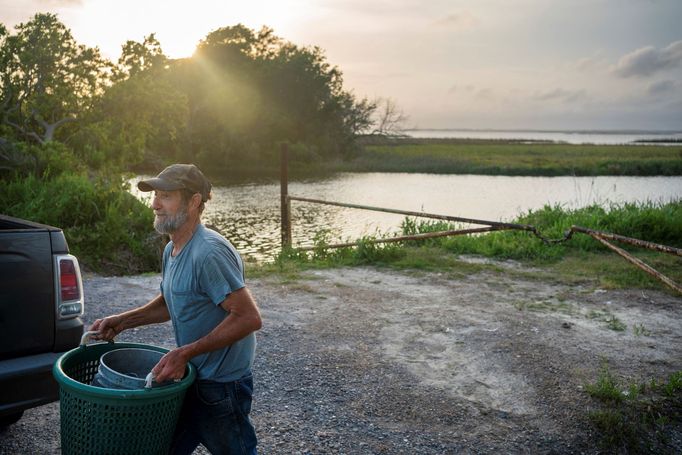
point(580, 259)
point(610, 320)
point(638, 418)
point(640, 330)
point(615, 324)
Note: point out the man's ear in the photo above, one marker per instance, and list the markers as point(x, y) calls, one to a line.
point(196, 200)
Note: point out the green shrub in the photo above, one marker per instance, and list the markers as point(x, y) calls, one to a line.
point(107, 228)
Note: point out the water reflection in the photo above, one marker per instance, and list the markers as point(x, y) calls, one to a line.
point(249, 214)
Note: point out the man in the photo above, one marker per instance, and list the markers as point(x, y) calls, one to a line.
point(214, 317)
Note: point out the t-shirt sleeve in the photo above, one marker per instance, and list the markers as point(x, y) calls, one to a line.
point(220, 275)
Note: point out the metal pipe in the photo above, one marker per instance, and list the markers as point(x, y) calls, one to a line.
point(638, 263)
point(427, 235)
point(523, 227)
point(629, 240)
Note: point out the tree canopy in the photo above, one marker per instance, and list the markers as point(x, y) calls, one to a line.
point(47, 79)
point(240, 94)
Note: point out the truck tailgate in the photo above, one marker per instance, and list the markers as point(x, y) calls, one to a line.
point(27, 313)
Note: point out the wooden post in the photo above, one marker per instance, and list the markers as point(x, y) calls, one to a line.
point(285, 203)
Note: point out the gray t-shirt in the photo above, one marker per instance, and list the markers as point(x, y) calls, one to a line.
point(194, 283)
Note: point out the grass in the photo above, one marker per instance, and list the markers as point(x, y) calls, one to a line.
point(579, 260)
point(639, 330)
point(454, 156)
point(615, 324)
point(639, 417)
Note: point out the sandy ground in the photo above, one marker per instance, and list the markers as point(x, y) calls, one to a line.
point(365, 360)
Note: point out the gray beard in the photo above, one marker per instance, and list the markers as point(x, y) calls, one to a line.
point(170, 224)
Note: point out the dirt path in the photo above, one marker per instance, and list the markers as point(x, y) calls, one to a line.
point(368, 361)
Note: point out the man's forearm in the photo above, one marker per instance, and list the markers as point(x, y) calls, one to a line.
point(231, 330)
point(152, 313)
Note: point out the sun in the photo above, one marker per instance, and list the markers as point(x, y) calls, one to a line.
point(178, 25)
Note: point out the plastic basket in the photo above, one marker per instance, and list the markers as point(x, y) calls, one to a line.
point(97, 420)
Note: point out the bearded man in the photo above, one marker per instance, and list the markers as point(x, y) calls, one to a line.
point(213, 313)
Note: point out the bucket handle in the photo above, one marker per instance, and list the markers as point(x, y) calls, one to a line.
point(87, 335)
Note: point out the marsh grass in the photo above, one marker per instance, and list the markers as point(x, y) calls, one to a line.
point(636, 418)
point(515, 158)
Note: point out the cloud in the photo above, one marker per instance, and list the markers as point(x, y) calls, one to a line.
point(662, 87)
point(561, 95)
point(485, 94)
point(648, 60)
point(459, 21)
point(595, 62)
point(461, 88)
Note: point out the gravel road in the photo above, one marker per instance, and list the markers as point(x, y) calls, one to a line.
point(369, 361)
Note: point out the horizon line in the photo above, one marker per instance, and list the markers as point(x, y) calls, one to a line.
point(536, 130)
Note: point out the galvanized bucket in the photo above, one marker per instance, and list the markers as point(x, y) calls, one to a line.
point(99, 420)
point(126, 368)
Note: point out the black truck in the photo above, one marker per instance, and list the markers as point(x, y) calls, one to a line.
point(41, 301)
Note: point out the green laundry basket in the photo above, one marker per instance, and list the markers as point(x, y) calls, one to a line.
point(97, 420)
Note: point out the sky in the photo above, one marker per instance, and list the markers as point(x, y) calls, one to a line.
point(478, 64)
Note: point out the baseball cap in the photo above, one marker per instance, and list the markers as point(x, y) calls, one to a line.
point(178, 177)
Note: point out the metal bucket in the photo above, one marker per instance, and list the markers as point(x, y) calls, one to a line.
point(126, 368)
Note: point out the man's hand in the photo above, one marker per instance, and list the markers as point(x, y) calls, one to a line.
point(171, 366)
point(107, 327)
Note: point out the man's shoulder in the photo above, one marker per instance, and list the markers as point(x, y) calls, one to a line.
point(213, 243)
point(212, 237)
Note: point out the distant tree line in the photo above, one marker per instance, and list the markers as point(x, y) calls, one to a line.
point(240, 94)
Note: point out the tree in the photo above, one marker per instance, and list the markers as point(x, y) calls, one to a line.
point(141, 116)
point(249, 90)
point(138, 57)
point(47, 79)
point(388, 118)
point(241, 93)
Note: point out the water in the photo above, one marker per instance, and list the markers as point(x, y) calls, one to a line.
point(249, 214)
point(570, 137)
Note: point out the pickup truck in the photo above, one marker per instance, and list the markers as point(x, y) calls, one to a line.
point(41, 301)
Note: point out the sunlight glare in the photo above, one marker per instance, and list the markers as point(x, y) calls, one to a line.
point(178, 25)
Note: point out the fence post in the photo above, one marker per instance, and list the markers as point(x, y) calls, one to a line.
point(285, 203)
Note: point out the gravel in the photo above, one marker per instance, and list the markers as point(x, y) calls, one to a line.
point(368, 361)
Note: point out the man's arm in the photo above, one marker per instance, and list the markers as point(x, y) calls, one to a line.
point(244, 318)
point(153, 312)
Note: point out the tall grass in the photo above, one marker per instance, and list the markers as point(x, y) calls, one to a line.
point(654, 222)
point(578, 259)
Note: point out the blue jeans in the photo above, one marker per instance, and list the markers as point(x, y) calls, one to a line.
point(216, 414)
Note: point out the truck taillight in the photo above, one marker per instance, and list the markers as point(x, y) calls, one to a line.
point(69, 287)
point(68, 280)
